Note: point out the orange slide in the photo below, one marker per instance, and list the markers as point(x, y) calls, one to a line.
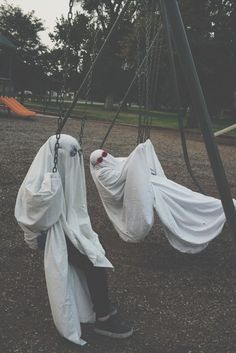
point(16, 107)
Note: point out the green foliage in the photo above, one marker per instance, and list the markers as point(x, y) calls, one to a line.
point(71, 41)
point(23, 30)
point(211, 29)
point(110, 76)
point(210, 26)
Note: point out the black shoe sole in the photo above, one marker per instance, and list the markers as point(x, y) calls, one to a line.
point(113, 334)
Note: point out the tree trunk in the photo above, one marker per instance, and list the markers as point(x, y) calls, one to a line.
point(109, 103)
point(191, 119)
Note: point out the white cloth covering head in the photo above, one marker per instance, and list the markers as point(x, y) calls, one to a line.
point(44, 197)
point(127, 198)
point(101, 158)
point(56, 203)
point(131, 188)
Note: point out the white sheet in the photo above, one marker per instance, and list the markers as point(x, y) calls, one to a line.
point(130, 188)
point(56, 203)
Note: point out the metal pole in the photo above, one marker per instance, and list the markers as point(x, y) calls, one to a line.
point(185, 56)
point(180, 111)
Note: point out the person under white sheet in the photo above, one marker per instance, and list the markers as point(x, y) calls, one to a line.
point(52, 207)
point(132, 188)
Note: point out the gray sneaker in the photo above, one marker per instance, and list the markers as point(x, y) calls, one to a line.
point(112, 327)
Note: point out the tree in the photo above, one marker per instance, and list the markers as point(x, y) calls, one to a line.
point(110, 75)
point(211, 30)
point(71, 41)
point(23, 30)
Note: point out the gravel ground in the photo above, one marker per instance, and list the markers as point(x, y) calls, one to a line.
point(177, 303)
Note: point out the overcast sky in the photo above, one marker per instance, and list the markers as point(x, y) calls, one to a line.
point(47, 10)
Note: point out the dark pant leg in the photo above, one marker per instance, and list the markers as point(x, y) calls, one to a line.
point(96, 279)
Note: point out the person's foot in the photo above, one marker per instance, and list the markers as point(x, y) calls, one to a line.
point(112, 327)
point(113, 311)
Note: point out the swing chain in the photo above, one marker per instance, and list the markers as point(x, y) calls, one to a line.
point(66, 58)
point(57, 146)
point(148, 26)
point(63, 86)
point(70, 12)
point(144, 119)
point(140, 75)
point(88, 86)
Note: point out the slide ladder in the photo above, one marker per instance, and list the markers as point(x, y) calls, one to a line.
point(16, 107)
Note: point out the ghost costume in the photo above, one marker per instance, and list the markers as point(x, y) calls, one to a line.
point(132, 188)
point(55, 203)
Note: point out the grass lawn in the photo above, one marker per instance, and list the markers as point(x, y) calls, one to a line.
point(130, 116)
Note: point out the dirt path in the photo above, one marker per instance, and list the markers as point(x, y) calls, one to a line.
point(177, 303)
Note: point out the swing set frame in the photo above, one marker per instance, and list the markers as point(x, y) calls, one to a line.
point(176, 38)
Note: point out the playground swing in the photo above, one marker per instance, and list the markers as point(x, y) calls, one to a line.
point(145, 70)
point(175, 33)
point(132, 188)
point(58, 211)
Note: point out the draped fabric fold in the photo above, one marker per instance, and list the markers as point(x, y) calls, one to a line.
point(126, 196)
point(132, 188)
point(55, 204)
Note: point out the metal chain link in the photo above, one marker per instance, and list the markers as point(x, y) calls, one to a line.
point(153, 70)
point(158, 54)
point(143, 118)
point(63, 84)
point(151, 32)
point(152, 66)
point(56, 147)
point(148, 24)
point(139, 84)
